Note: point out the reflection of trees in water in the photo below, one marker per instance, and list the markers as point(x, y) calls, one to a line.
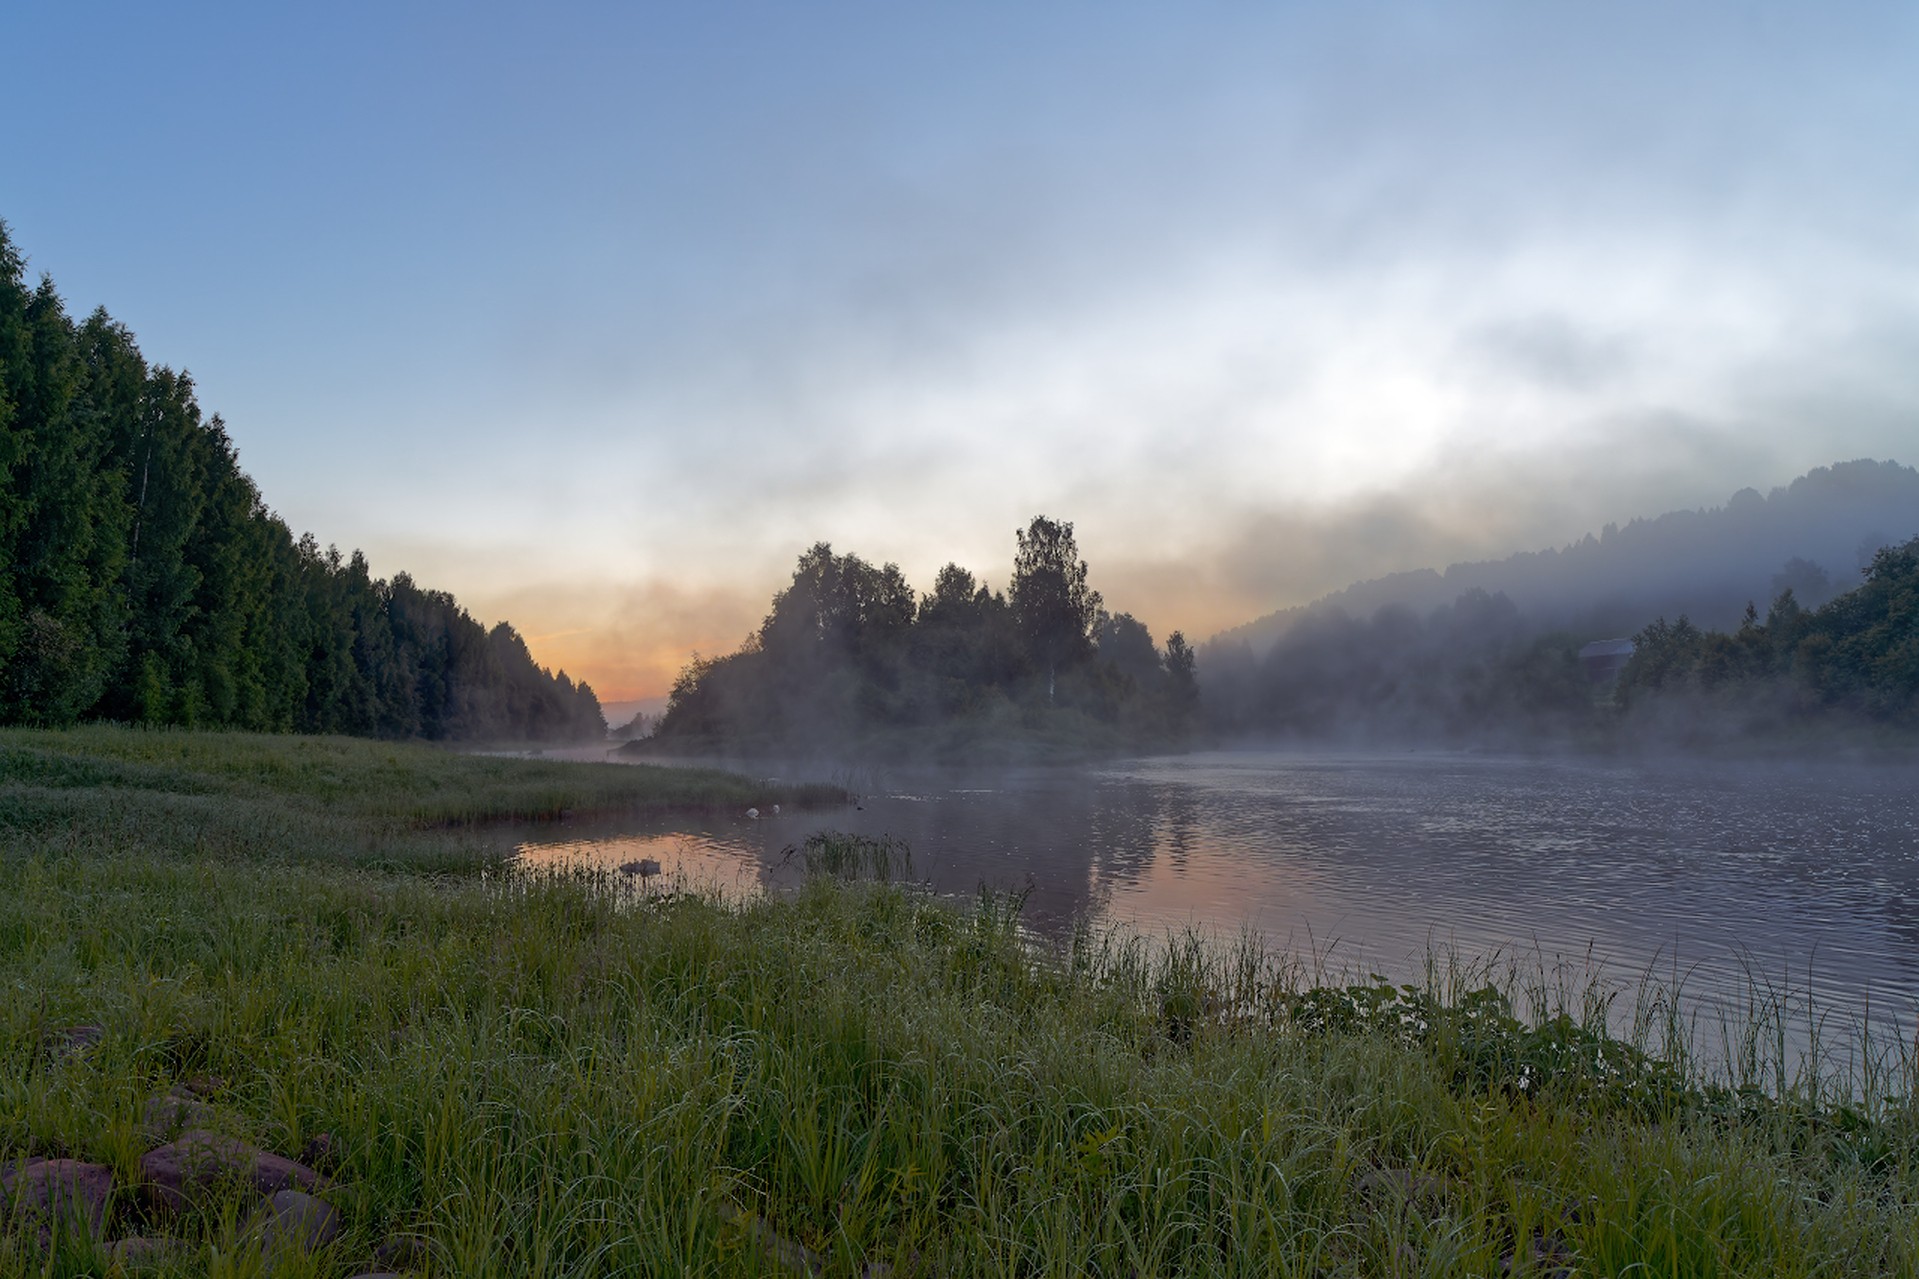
point(1063, 838)
point(1123, 829)
point(1784, 862)
point(1179, 826)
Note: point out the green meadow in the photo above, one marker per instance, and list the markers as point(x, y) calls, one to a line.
point(577, 1074)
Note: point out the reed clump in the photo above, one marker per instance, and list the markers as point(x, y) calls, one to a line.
point(877, 858)
point(550, 1074)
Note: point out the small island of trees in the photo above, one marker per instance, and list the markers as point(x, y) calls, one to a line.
point(851, 662)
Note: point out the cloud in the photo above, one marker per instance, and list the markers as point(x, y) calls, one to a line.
point(1263, 304)
point(1555, 351)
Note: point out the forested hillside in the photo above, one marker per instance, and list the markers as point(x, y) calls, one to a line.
point(1489, 651)
point(147, 582)
point(1479, 670)
point(1858, 654)
point(1813, 535)
point(850, 661)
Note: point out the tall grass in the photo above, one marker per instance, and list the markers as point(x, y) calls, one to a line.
point(546, 1075)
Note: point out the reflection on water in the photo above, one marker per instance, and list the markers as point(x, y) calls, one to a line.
point(1803, 876)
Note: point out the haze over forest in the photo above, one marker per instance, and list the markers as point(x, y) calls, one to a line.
point(1753, 620)
point(149, 582)
point(598, 318)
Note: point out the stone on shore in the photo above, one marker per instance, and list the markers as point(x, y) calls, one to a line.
point(294, 1219)
point(319, 1152)
point(49, 1193)
point(76, 1040)
point(184, 1171)
point(403, 1250)
point(178, 1111)
point(144, 1252)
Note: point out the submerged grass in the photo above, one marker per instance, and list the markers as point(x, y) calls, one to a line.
point(549, 1074)
point(877, 858)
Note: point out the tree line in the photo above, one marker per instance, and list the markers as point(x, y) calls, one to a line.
point(850, 657)
point(147, 582)
point(1856, 656)
point(1480, 669)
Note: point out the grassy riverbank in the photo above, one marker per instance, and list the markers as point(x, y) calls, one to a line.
point(244, 797)
point(553, 1076)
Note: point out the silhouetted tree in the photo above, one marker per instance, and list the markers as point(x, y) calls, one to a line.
point(1182, 680)
point(846, 654)
point(1053, 605)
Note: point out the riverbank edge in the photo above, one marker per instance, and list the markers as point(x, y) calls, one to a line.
point(858, 1073)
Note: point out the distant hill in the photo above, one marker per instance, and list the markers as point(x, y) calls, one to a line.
point(1815, 535)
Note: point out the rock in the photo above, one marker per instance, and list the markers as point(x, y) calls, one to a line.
point(319, 1152)
point(183, 1171)
point(403, 1250)
point(57, 1192)
point(1401, 1183)
point(166, 1117)
point(775, 1247)
point(1548, 1255)
point(293, 1219)
point(205, 1087)
point(72, 1041)
point(144, 1252)
point(643, 867)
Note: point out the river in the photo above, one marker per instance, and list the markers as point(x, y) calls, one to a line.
point(1799, 880)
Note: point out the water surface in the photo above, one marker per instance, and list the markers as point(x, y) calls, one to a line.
point(1801, 877)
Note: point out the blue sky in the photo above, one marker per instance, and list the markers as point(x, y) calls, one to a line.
point(598, 315)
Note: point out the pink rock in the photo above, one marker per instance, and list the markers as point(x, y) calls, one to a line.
point(54, 1190)
point(184, 1170)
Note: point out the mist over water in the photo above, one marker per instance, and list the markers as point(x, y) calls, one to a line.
point(1801, 878)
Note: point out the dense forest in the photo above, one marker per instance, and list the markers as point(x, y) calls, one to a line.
point(1855, 657)
point(146, 581)
point(851, 661)
point(1480, 669)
